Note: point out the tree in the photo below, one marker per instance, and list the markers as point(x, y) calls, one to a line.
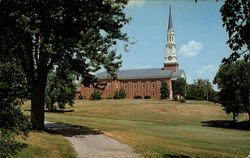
point(201, 89)
point(235, 16)
point(233, 81)
point(164, 90)
point(12, 121)
point(60, 90)
point(179, 87)
point(76, 35)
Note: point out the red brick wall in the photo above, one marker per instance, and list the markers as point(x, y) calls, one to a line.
point(141, 87)
point(174, 67)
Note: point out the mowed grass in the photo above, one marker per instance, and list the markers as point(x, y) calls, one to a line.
point(161, 129)
point(45, 145)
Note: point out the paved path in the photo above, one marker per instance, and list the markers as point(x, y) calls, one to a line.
point(92, 144)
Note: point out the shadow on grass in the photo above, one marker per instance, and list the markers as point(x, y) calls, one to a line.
point(176, 156)
point(59, 111)
point(54, 111)
point(242, 125)
point(68, 130)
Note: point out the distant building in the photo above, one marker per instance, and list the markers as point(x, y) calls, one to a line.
point(143, 82)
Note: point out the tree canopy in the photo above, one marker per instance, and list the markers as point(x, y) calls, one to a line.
point(179, 87)
point(60, 90)
point(233, 82)
point(12, 121)
point(236, 20)
point(74, 35)
point(201, 89)
point(164, 90)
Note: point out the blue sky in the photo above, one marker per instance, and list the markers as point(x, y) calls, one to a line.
point(200, 37)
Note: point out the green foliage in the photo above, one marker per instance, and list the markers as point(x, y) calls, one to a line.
point(80, 97)
point(235, 16)
point(179, 87)
point(12, 92)
point(119, 94)
point(233, 81)
point(76, 35)
point(201, 89)
point(164, 90)
point(59, 91)
point(182, 100)
point(96, 95)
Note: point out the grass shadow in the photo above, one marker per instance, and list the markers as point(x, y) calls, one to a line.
point(242, 125)
point(59, 111)
point(68, 130)
point(54, 111)
point(176, 156)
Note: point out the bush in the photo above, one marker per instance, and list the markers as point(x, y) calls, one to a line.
point(119, 94)
point(109, 98)
point(147, 97)
point(137, 97)
point(183, 100)
point(80, 97)
point(9, 146)
point(96, 95)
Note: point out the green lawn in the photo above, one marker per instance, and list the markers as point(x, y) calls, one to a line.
point(161, 129)
point(45, 145)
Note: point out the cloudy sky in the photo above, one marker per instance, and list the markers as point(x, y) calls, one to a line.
point(200, 37)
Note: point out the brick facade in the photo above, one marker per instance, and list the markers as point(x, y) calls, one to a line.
point(136, 87)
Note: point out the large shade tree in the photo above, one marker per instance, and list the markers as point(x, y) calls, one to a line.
point(77, 35)
point(233, 82)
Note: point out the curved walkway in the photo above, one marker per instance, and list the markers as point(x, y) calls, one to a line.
point(92, 144)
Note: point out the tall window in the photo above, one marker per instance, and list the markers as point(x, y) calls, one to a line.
point(109, 85)
point(135, 85)
point(143, 85)
point(125, 85)
point(152, 84)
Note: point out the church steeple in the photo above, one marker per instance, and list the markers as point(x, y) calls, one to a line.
point(170, 60)
point(170, 22)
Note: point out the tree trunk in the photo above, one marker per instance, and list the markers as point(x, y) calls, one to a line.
point(234, 116)
point(37, 108)
point(37, 102)
point(248, 115)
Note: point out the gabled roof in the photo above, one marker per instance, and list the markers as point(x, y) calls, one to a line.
point(142, 74)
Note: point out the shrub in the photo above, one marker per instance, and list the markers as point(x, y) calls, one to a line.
point(119, 94)
point(147, 97)
point(182, 100)
point(109, 98)
point(96, 95)
point(80, 97)
point(122, 93)
point(137, 97)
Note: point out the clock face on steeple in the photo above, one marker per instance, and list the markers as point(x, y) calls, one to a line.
point(169, 58)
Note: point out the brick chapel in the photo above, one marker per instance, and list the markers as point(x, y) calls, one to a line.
point(143, 82)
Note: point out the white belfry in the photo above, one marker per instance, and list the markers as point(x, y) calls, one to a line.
point(170, 55)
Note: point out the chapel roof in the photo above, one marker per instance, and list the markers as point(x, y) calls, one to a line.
point(143, 74)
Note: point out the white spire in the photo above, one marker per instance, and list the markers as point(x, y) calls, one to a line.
point(170, 55)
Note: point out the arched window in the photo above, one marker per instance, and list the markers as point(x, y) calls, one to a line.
point(135, 85)
point(125, 86)
point(109, 85)
point(152, 84)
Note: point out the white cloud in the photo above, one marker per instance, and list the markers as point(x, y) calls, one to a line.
point(135, 3)
point(208, 69)
point(191, 49)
